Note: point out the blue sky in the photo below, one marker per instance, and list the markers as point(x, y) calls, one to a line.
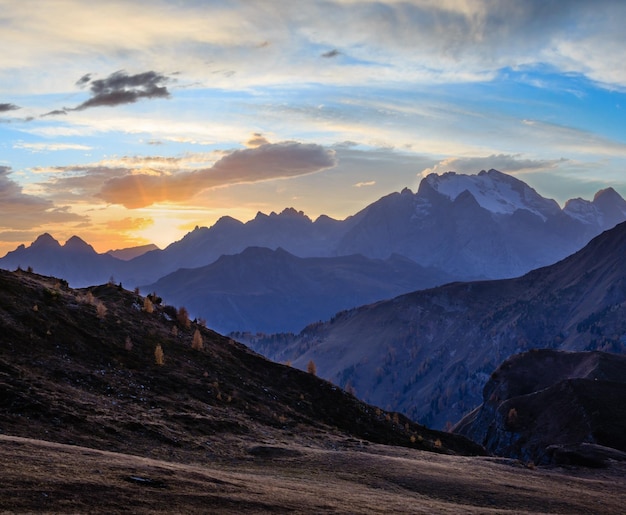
point(133, 121)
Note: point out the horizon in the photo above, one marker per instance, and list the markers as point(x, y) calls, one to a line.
point(132, 132)
point(63, 241)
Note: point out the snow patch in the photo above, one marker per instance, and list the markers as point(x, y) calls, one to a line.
point(493, 191)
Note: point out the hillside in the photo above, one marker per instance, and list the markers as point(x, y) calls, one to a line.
point(79, 366)
point(553, 406)
point(429, 353)
point(91, 423)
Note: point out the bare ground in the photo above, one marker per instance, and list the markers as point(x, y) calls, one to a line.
point(45, 477)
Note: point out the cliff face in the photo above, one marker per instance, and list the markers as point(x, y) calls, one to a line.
point(549, 406)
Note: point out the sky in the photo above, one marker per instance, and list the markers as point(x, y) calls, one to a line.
point(131, 122)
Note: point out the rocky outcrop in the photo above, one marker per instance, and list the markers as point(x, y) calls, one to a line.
point(547, 406)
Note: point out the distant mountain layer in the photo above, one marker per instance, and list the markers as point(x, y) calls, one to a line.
point(549, 406)
point(490, 225)
point(429, 353)
point(132, 252)
point(272, 290)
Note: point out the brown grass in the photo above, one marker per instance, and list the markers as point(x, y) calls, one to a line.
point(48, 477)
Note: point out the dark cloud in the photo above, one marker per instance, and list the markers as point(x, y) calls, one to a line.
point(21, 211)
point(120, 88)
point(8, 107)
point(84, 79)
point(56, 112)
point(331, 53)
point(265, 162)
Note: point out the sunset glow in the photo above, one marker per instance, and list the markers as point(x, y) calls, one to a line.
point(132, 122)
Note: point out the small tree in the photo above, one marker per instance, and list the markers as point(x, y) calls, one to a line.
point(311, 368)
point(101, 310)
point(159, 358)
point(148, 307)
point(183, 317)
point(197, 343)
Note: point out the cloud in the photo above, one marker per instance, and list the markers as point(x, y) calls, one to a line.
point(21, 211)
point(121, 88)
point(84, 79)
point(8, 107)
point(508, 163)
point(129, 224)
point(331, 53)
point(266, 162)
point(363, 184)
point(256, 140)
point(51, 147)
point(117, 89)
point(55, 112)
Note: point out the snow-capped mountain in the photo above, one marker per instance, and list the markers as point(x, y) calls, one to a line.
point(489, 225)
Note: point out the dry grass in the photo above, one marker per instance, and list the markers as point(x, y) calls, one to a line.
point(49, 477)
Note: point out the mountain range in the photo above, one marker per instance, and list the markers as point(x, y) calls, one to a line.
point(455, 227)
point(263, 290)
point(429, 353)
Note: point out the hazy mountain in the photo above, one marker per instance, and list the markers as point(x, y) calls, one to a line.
point(489, 225)
point(429, 353)
point(272, 290)
point(291, 230)
point(75, 260)
point(543, 406)
point(132, 252)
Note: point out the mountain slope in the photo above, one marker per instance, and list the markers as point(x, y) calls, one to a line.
point(80, 367)
point(263, 290)
point(429, 353)
point(549, 405)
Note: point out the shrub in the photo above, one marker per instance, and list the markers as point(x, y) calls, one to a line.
point(148, 307)
point(197, 343)
point(183, 317)
point(88, 298)
point(311, 368)
point(101, 310)
point(159, 357)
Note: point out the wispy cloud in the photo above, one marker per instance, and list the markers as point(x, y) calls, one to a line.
point(364, 184)
point(129, 224)
point(502, 162)
point(51, 147)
